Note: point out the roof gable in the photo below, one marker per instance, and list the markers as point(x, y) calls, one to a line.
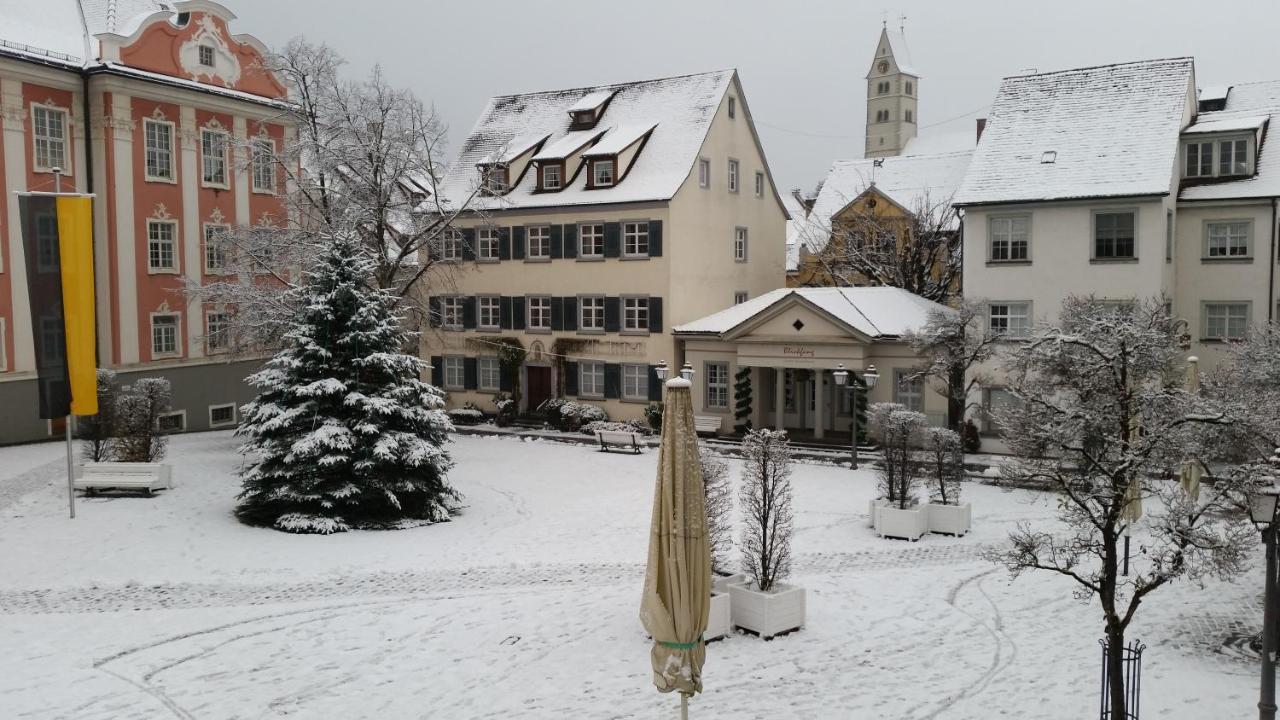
point(1245, 105)
point(1113, 130)
point(883, 313)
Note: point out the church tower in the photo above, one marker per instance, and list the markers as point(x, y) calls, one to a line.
point(893, 87)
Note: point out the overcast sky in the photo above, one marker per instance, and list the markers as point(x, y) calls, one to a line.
point(802, 62)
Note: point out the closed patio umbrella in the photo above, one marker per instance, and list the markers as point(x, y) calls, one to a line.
point(677, 580)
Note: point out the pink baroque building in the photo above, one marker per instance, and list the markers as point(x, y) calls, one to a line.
point(159, 110)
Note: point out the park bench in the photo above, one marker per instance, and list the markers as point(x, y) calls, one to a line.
point(124, 476)
point(707, 424)
point(621, 439)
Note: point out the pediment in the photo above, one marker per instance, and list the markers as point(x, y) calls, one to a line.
point(793, 318)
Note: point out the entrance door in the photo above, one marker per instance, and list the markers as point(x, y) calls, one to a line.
point(539, 386)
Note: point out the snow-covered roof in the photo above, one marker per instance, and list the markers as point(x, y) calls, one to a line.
point(960, 137)
point(1214, 92)
point(878, 312)
point(1245, 103)
point(513, 149)
point(620, 138)
point(67, 27)
point(561, 148)
point(1226, 124)
point(797, 228)
point(591, 100)
point(1114, 130)
point(683, 108)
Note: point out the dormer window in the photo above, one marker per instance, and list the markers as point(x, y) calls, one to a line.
point(551, 176)
point(584, 119)
point(206, 56)
point(586, 113)
point(602, 174)
point(493, 178)
point(1219, 157)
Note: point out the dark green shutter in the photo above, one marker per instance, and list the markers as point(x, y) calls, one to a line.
point(612, 320)
point(557, 307)
point(557, 243)
point(517, 243)
point(570, 310)
point(655, 238)
point(612, 240)
point(468, 243)
point(655, 314)
point(571, 379)
point(504, 243)
point(517, 313)
point(504, 380)
point(469, 313)
point(470, 374)
point(433, 312)
point(437, 371)
point(571, 241)
point(612, 381)
point(504, 312)
point(655, 385)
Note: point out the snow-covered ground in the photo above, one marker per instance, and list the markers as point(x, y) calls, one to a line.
point(525, 606)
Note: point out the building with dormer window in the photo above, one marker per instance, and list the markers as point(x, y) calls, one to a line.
point(605, 216)
point(170, 120)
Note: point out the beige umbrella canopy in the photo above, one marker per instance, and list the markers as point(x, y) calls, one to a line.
point(677, 580)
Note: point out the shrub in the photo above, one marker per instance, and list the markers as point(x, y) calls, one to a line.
point(570, 416)
point(971, 438)
point(653, 414)
point(634, 426)
point(946, 463)
point(766, 507)
point(138, 410)
point(719, 503)
point(507, 407)
point(900, 433)
point(466, 416)
point(97, 432)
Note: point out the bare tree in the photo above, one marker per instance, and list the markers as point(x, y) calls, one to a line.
point(97, 432)
point(900, 431)
point(1102, 419)
point(138, 410)
point(363, 164)
point(946, 463)
point(952, 343)
point(719, 492)
point(766, 507)
point(917, 249)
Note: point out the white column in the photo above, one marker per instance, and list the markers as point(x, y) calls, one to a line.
point(819, 403)
point(239, 165)
point(126, 235)
point(780, 397)
point(102, 239)
point(192, 227)
point(15, 176)
point(79, 127)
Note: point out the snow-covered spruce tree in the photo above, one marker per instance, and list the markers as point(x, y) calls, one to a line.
point(1102, 418)
point(766, 507)
point(901, 470)
point(137, 418)
point(742, 400)
point(945, 459)
point(97, 432)
point(342, 433)
point(952, 343)
point(719, 494)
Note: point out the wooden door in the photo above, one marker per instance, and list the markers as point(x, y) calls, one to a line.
point(539, 389)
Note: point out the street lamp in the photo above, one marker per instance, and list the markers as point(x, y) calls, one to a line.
point(686, 372)
point(869, 378)
point(662, 371)
point(1263, 507)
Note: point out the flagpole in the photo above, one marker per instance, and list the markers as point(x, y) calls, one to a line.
point(71, 465)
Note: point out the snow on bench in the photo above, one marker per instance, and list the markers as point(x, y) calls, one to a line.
point(707, 424)
point(125, 476)
point(618, 439)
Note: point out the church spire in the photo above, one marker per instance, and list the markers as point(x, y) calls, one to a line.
point(892, 94)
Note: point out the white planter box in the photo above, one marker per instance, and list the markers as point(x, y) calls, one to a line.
point(950, 519)
point(721, 583)
point(910, 524)
point(768, 614)
point(873, 519)
point(718, 621)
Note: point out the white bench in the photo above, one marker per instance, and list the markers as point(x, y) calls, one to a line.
point(124, 476)
point(709, 424)
point(621, 439)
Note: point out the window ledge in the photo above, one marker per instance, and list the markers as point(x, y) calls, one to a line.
point(538, 331)
point(1218, 340)
point(635, 257)
point(162, 271)
point(634, 333)
point(999, 263)
point(488, 261)
point(1113, 261)
point(590, 332)
point(214, 186)
point(537, 259)
point(271, 193)
point(1227, 260)
point(164, 180)
point(590, 258)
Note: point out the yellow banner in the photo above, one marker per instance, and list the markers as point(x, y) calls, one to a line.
point(75, 244)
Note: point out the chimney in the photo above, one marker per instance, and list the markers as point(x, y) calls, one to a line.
point(982, 125)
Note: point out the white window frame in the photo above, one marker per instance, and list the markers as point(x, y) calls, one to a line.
point(1009, 315)
point(610, 179)
point(597, 310)
point(488, 244)
point(704, 173)
point(597, 236)
point(733, 175)
point(226, 423)
point(913, 398)
point(220, 247)
point(759, 183)
point(740, 244)
point(488, 367)
point(208, 50)
point(210, 162)
point(541, 233)
point(989, 426)
point(635, 382)
point(1208, 305)
point(1235, 142)
point(495, 309)
point(451, 246)
point(634, 309)
point(635, 232)
point(595, 371)
point(453, 366)
point(1214, 143)
point(544, 302)
point(1093, 235)
point(740, 297)
point(452, 312)
point(149, 151)
point(182, 421)
point(1009, 235)
point(209, 349)
point(547, 178)
point(172, 242)
point(716, 390)
point(263, 165)
point(61, 141)
point(177, 335)
point(1207, 246)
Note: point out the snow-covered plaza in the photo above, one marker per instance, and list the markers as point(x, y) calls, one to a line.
point(526, 606)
